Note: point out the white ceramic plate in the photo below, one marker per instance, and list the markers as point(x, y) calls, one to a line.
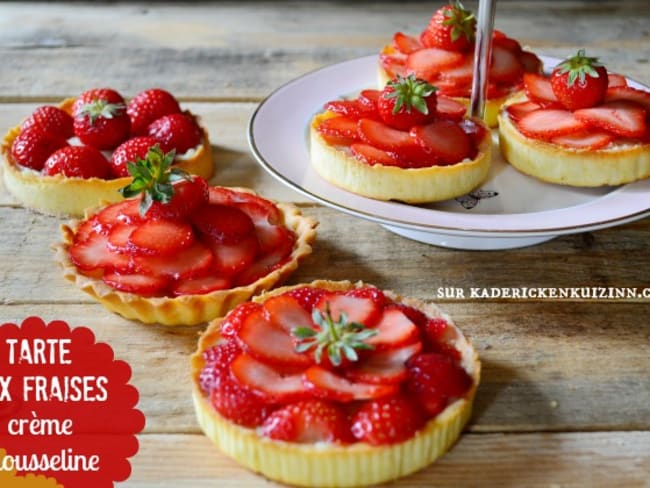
point(510, 210)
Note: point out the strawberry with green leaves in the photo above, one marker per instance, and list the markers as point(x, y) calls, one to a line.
point(406, 102)
point(100, 118)
point(451, 28)
point(579, 82)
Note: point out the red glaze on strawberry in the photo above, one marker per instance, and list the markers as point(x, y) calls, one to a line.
point(383, 367)
point(372, 155)
point(287, 313)
point(225, 224)
point(100, 118)
point(395, 64)
point(118, 237)
point(217, 364)
point(584, 140)
point(394, 329)
point(193, 261)
point(141, 284)
point(548, 123)
point(307, 296)
point(77, 161)
point(161, 237)
point(352, 109)
point(323, 383)
point(360, 309)
point(538, 88)
point(517, 110)
point(93, 253)
point(233, 321)
point(387, 421)
point(406, 44)
point(448, 108)
point(620, 117)
point(148, 106)
point(426, 63)
point(201, 285)
point(339, 130)
point(614, 80)
point(50, 120)
point(627, 93)
point(231, 259)
point(237, 403)
point(178, 132)
point(445, 139)
point(31, 148)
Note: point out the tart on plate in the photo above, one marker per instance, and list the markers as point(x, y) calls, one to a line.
point(183, 253)
point(581, 126)
point(443, 54)
point(334, 384)
point(401, 143)
point(66, 158)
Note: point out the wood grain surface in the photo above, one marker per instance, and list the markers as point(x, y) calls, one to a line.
point(565, 392)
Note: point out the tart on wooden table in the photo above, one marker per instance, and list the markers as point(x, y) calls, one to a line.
point(182, 253)
point(66, 158)
point(581, 126)
point(443, 54)
point(334, 384)
point(403, 143)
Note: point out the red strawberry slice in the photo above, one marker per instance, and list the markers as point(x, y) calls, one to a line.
point(88, 228)
point(118, 237)
point(539, 88)
point(382, 136)
point(93, 253)
point(260, 210)
point(223, 223)
point(630, 94)
point(234, 320)
point(125, 212)
point(369, 98)
point(201, 285)
point(357, 309)
point(308, 422)
point(451, 88)
point(344, 127)
point(385, 366)
point(406, 44)
point(517, 110)
point(445, 139)
point(393, 64)
point(505, 66)
point(387, 421)
point(394, 330)
point(161, 237)
point(263, 266)
point(507, 43)
point(428, 63)
point(548, 123)
point(287, 313)
point(325, 384)
point(621, 117)
point(614, 80)
point(263, 340)
point(584, 140)
point(237, 403)
point(530, 62)
point(476, 133)
point(449, 108)
point(139, 284)
point(461, 74)
point(192, 261)
point(372, 155)
point(232, 259)
point(352, 109)
point(269, 384)
point(275, 239)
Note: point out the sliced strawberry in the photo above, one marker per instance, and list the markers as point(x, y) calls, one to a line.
point(308, 422)
point(476, 133)
point(548, 123)
point(539, 88)
point(271, 344)
point(428, 63)
point(461, 74)
point(263, 266)
point(505, 66)
point(125, 212)
point(387, 421)
point(89, 227)
point(161, 237)
point(372, 155)
point(393, 64)
point(588, 140)
point(266, 382)
point(621, 117)
point(325, 384)
point(216, 367)
point(630, 94)
point(385, 366)
point(139, 284)
point(451, 88)
point(449, 108)
point(517, 110)
point(201, 285)
point(530, 62)
point(357, 309)
point(192, 261)
point(118, 237)
point(307, 296)
point(352, 109)
point(237, 403)
point(394, 330)
point(507, 43)
point(614, 80)
point(235, 318)
point(369, 98)
point(445, 139)
point(287, 313)
point(382, 136)
point(260, 210)
point(223, 223)
point(275, 238)
point(406, 44)
point(339, 127)
point(93, 253)
point(232, 259)
point(373, 293)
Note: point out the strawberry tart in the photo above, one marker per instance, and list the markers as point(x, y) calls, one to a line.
point(182, 253)
point(66, 158)
point(334, 384)
point(404, 143)
point(443, 54)
point(581, 126)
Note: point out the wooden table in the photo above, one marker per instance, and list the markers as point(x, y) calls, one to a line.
point(565, 395)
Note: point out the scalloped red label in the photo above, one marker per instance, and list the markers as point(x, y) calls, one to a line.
point(67, 410)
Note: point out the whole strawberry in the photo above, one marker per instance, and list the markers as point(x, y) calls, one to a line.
point(406, 102)
point(77, 161)
point(177, 132)
point(32, 147)
point(148, 106)
point(130, 151)
point(237, 403)
point(579, 82)
point(451, 28)
point(387, 420)
point(51, 120)
point(100, 118)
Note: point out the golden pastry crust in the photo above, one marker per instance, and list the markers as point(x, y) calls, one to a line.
point(64, 196)
point(412, 185)
point(359, 464)
point(613, 165)
point(188, 309)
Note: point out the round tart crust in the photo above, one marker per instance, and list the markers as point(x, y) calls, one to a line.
point(358, 464)
point(69, 196)
point(412, 185)
point(550, 162)
point(187, 309)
